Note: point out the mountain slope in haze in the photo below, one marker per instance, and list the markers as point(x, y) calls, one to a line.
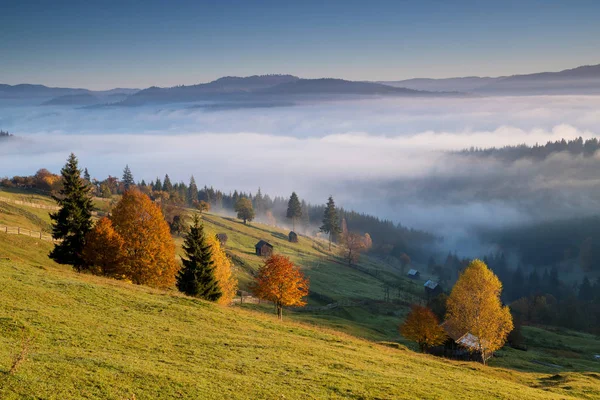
point(580, 80)
point(41, 92)
point(83, 99)
point(273, 88)
point(466, 84)
point(223, 88)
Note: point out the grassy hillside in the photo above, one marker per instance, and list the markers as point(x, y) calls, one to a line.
point(98, 338)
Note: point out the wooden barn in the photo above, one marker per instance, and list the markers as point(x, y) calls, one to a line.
point(460, 345)
point(293, 237)
point(222, 238)
point(432, 288)
point(263, 249)
point(414, 274)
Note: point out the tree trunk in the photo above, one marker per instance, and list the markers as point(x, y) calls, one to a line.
point(279, 312)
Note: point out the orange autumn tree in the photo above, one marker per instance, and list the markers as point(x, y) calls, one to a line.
point(103, 251)
point(422, 326)
point(474, 306)
point(281, 282)
point(223, 271)
point(149, 250)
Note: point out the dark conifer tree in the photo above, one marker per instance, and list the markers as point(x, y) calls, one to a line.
point(192, 191)
point(330, 220)
point(294, 209)
point(86, 176)
point(128, 181)
point(73, 221)
point(196, 277)
point(167, 185)
point(586, 290)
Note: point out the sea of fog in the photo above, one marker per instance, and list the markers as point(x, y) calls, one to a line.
point(382, 156)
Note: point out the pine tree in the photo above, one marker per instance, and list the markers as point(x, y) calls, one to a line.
point(127, 179)
point(192, 191)
point(167, 185)
point(294, 209)
point(73, 221)
point(330, 220)
point(258, 201)
point(197, 277)
point(157, 187)
point(86, 176)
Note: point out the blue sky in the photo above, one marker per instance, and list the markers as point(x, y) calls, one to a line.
point(105, 44)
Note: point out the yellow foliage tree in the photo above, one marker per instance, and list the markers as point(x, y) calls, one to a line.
point(422, 326)
point(474, 306)
point(103, 250)
point(149, 250)
point(223, 271)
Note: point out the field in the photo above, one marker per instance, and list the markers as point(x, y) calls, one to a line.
point(91, 337)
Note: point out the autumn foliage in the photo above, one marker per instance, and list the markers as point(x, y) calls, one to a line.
point(422, 326)
point(474, 306)
point(281, 282)
point(223, 272)
point(148, 249)
point(104, 251)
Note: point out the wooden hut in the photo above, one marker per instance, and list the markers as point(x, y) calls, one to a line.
point(263, 249)
point(293, 237)
point(414, 274)
point(432, 288)
point(459, 345)
point(222, 238)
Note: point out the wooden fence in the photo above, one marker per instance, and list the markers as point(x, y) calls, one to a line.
point(29, 204)
point(15, 230)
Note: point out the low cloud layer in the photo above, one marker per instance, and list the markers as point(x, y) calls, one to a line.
point(386, 157)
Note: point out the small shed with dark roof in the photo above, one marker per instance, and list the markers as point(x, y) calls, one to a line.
point(263, 249)
point(293, 237)
point(432, 288)
point(222, 238)
point(414, 274)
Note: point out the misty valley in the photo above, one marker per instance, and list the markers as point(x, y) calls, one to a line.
point(224, 227)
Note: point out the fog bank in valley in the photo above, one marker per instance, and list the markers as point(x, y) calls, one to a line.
point(386, 157)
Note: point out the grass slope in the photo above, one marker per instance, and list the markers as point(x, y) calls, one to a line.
point(99, 338)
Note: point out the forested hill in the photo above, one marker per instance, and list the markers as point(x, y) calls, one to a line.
point(577, 146)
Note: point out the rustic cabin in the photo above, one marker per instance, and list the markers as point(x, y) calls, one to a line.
point(414, 274)
point(432, 288)
point(263, 249)
point(222, 238)
point(460, 345)
point(293, 237)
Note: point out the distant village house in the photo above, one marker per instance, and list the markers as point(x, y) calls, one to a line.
point(293, 237)
point(460, 345)
point(414, 274)
point(432, 288)
point(222, 238)
point(263, 249)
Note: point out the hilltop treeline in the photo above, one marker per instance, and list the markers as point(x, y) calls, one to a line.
point(4, 134)
point(577, 146)
point(389, 238)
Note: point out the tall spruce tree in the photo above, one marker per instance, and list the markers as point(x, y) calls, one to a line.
point(167, 185)
point(86, 176)
point(330, 220)
point(197, 276)
point(127, 179)
point(73, 221)
point(192, 191)
point(294, 209)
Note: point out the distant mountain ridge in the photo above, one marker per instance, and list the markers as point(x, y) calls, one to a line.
point(282, 89)
point(579, 80)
